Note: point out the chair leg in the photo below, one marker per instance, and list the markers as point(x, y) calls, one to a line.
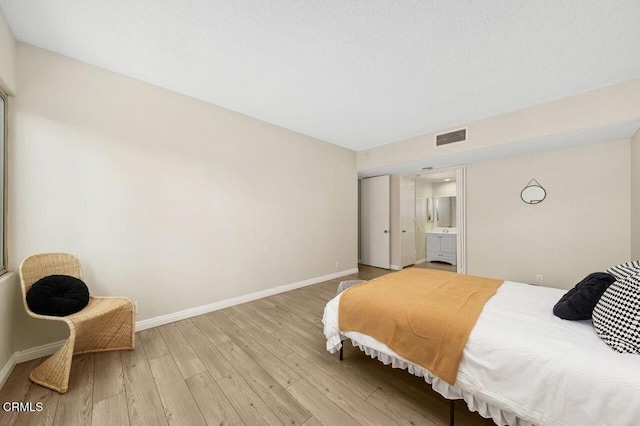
point(54, 372)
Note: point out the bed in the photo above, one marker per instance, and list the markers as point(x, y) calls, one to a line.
point(522, 365)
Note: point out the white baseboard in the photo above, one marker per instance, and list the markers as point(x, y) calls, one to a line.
point(188, 313)
point(199, 310)
point(28, 355)
point(50, 348)
point(418, 262)
point(7, 369)
point(38, 352)
point(395, 267)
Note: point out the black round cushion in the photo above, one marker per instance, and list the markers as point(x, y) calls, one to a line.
point(58, 295)
point(579, 302)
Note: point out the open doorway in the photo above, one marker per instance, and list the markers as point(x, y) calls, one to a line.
point(440, 220)
point(399, 213)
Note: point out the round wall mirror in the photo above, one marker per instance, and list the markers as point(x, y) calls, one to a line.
point(533, 194)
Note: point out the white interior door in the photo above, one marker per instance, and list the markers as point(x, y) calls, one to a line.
point(374, 221)
point(408, 221)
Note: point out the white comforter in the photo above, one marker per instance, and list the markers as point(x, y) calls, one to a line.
point(523, 365)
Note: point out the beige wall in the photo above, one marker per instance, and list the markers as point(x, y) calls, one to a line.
point(8, 48)
point(170, 201)
point(424, 188)
point(635, 196)
point(612, 104)
point(581, 227)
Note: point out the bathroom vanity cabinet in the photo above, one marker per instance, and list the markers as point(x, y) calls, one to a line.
point(441, 247)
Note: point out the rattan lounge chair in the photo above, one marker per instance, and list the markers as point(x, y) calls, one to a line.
point(105, 324)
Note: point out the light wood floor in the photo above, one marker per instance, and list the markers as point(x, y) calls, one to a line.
point(262, 362)
point(441, 266)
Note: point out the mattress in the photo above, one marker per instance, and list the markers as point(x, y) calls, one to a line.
point(522, 365)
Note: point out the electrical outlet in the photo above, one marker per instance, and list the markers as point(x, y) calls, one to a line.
point(539, 278)
point(337, 264)
point(135, 306)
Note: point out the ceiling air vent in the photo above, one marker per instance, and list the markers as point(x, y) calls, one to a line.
point(451, 137)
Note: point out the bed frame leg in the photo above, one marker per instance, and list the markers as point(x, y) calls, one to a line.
point(341, 350)
point(452, 420)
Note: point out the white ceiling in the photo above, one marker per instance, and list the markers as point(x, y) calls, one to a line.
point(355, 73)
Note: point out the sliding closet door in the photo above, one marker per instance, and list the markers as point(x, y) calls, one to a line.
point(374, 220)
point(408, 221)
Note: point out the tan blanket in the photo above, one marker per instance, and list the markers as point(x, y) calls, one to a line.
point(423, 315)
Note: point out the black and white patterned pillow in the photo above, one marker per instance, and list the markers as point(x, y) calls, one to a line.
point(616, 317)
point(624, 270)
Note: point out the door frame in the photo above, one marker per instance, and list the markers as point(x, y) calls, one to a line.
point(461, 212)
point(461, 218)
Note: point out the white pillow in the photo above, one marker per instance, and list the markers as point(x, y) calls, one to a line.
point(616, 317)
point(624, 270)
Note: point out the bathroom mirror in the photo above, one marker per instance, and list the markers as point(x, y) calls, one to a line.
point(533, 193)
point(445, 212)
